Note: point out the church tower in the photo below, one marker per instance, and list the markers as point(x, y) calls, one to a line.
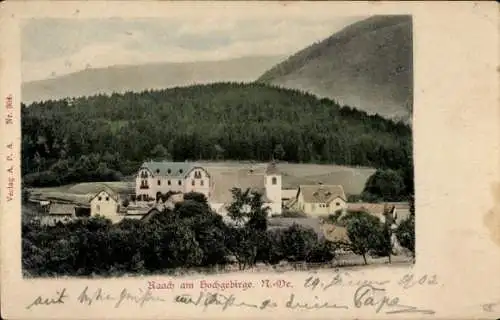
point(273, 187)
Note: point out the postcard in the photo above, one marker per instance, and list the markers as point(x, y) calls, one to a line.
point(260, 160)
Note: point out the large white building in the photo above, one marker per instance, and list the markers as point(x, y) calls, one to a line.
point(214, 182)
point(161, 177)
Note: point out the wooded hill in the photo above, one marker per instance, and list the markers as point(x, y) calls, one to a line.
point(99, 137)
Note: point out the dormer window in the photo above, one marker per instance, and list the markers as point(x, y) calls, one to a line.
point(180, 171)
point(157, 171)
point(107, 198)
point(169, 171)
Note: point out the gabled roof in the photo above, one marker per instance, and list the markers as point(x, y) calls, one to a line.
point(169, 169)
point(375, 209)
point(321, 193)
point(62, 209)
point(114, 195)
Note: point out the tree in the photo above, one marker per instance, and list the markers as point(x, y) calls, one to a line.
point(362, 230)
point(386, 185)
point(159, 153)
point(219, 151)
point(298, 242)
point(323, 251)
point(196, 196)
point(248, 207)
point(243, 244)
point(190, 209)
point(279, 152)
point(405, 234)
point(383, 246)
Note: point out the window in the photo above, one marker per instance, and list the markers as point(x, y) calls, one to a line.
point(100, 198)
point(192, 183)
point(98, 208)
point(159, 182)
point(168, 182)
point(313, 206)
point(107, 198)
point(274, 180)
point(180, 170)
point(202, 182)
point(157, 170)
point(338, 204)
point(179, 182)
point(169, 171)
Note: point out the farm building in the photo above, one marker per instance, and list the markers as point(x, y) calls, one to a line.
point(380, 210)
point(105, 203)
point(58, 213)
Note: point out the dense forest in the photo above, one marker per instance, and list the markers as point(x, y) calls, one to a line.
point(104, 137)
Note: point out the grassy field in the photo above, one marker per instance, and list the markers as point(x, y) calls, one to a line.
point(351, 178)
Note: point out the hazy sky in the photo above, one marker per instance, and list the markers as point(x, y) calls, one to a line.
point(52, 47)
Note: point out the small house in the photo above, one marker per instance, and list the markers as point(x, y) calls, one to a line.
point(105, 203)
point(58, 212)
point(320, 200)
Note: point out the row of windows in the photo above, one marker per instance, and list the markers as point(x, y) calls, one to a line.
point(100, 198)
point(169, 171)
point(323, 205)
point(179, 182)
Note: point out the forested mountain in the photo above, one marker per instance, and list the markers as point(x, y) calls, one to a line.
point(96, 137)
point(368, 65)
point(148, 76)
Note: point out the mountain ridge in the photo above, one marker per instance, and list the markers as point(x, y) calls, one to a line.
point(368, 65)
point(156, 75)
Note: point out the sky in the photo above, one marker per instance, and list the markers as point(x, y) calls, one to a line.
point(53, 47)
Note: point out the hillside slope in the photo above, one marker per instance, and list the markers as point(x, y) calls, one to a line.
point(149, 76)
point(367, 65)
point(87, 137)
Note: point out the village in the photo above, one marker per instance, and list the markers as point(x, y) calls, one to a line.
point(160, 185)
